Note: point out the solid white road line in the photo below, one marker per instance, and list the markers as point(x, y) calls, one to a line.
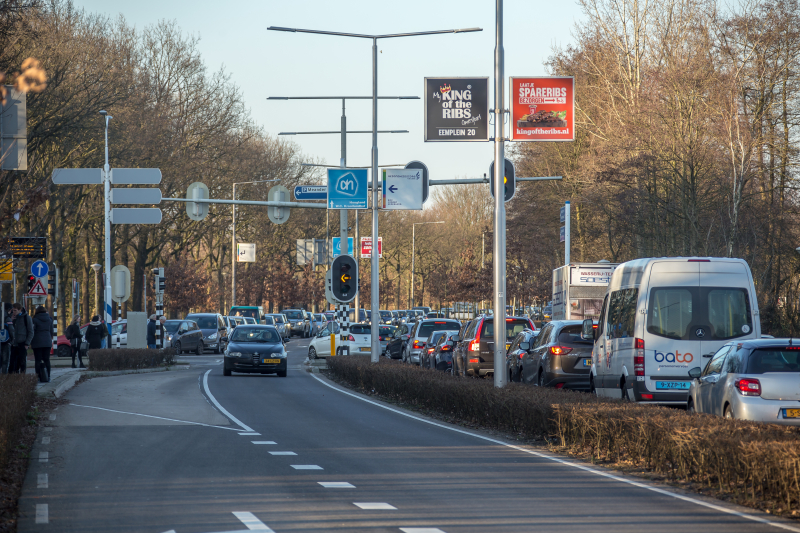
point(45, 440)
point(43, 457)
point(420, 530)
point(152, 416)
point(336, 485)
point(251, 522)
point(282, 453)
point(663, 492)
point(263, 442)
point(41, 514)
point(222, 409)
point(306, 467)
point(41, 481)
point(375, 506)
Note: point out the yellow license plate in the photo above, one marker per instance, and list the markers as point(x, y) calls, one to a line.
point(364, 349)
point(792, 413)
point(272, 361)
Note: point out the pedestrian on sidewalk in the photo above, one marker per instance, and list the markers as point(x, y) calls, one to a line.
point(96, 333)
point(42, 343)
point(151, 332)
point(7, 333)
point(75, 338)
point(23, 335)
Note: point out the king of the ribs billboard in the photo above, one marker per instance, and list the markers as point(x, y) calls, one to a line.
point(456, 109)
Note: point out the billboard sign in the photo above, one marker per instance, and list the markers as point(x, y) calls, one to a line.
point(542, 108)
point(366, 247)
point(456, 109)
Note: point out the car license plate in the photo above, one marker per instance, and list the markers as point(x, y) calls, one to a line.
point(272, 361)
point(673, 385)
point(587, 362)
point(365, 349)
point(791, 413)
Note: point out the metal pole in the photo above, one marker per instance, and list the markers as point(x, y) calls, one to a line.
point(145, 293)
point(413, 255)
point(343, 244)
point(233, 252)
point(374, 286)
point(499, 262)
point(107, 260)
point(566, 232)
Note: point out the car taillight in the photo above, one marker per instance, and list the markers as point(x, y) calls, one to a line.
point(638, 358)
point(560, 350)
point(446, 348)
point(430, 350)
point(749, 387)
point(474, 361)
point(351, 338)
point(559, 385)
point(417, 344)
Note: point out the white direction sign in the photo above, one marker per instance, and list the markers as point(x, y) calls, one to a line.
point(135, 176)
point(77, 176)
point(136, 215)
point(246, 252)
point(135, 196)
point(402, 188)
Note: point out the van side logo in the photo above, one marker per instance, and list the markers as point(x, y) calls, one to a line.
point(676, 357)
point(700, 333)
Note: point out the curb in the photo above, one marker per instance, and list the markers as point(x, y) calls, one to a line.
point(60, 385)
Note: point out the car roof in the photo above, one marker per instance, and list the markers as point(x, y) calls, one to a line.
point(202, 314)
point(766, 343)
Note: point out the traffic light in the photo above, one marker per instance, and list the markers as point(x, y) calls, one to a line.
point(510, 180)
point(51, 284)
point(160, 281)
point(31, 281)
point(344, 278)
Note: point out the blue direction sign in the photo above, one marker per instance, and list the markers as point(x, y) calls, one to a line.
point(347, 188)
point(40, 269)
point(311, 192)
point(337, 246)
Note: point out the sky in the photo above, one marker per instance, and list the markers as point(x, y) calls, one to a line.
point(270, 63)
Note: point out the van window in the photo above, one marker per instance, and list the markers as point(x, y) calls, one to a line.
point(602, 320)
point(677, 312)
point(622, 313)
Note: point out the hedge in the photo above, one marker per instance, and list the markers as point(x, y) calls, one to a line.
point(17, 392)
point(130, 359)
point(752, 463)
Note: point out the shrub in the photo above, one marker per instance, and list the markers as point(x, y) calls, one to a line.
point(756, 464)
point(130, 359)
point(17, 392)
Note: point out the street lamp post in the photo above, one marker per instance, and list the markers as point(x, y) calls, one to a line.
point(376, 346)
point(413, 255)
point(107, 259)
point(96, 267)
point(233, 239)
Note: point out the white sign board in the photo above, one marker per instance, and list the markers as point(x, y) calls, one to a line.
point(77, 176)
point(135, 215)
point(402, 188)
point(135, 176)
point(246, 252)
point(136, 196)
point(589, 276)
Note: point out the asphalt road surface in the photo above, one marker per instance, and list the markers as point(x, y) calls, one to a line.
point(192, 451)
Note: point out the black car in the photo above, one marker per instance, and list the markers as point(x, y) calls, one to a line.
point(520, 346)
point(397, 342)
point(474, 353)
point(559, 357)
point(255, 349)
point(426, 355)
point(442, 356)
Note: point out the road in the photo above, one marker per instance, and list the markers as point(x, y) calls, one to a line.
point(192, 451)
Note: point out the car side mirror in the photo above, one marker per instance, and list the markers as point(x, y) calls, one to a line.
point(695, 372)
point(588, 330)
point(525, 346)
point(456, 338)
point(224, 339)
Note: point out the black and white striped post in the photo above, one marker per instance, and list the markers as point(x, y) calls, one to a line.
point(343, 317)
point(159, 293)
point(119, 329)
point(52, 289)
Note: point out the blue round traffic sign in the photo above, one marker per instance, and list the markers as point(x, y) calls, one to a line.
point(40, 269)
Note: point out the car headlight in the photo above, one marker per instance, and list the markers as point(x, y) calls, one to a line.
point(234, 354)
point(212, 336)
point(168, 337)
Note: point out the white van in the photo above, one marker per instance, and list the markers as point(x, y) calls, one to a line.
point(663, 316)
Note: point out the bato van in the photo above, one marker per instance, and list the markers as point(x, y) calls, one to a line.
point(663, 316)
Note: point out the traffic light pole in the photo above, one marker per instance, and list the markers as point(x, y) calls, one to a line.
point(499, 262)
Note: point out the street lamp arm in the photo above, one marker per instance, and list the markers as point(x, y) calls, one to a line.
point(341, 98)
point(363, 36)
point(414, 34)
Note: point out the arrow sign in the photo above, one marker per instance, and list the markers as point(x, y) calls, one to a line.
point(135, 176)
point(135, 196)
point(393, 188)
point(402, 188)
point(38, 288)
point(135, 215)
point(77, 176)
point(311, 192)
point(40, 269)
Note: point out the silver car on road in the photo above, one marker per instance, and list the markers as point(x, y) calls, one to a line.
point(750, 380)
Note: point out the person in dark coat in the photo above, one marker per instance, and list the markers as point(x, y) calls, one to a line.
point(151, 332)
point(23, 335)
point(95, 333)
point(42, 343)
point(7, 333)
point(74, 337)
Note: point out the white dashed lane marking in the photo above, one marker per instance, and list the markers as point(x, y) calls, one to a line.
point(306, 467)
point(336, 485)
point(420, 530)
point(282, 453)
point(41, 513)
point(375, 506)
point(45, 440)
point(250, 433)
point(43, 457)
point(251, 522)
point(263, 442)
point(41, 481)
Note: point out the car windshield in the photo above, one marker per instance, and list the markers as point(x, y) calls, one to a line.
point(427, 328)
point(238, 311)
point(268, 320)
point(293, 315)
point(765, 360)
point(387, 331)
point(386, 314)
point(116, 329)
point(278, 319)
point(513, 326)
point(172, 325)
point(255, 334)
point(204, 322)
point(359, 329)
